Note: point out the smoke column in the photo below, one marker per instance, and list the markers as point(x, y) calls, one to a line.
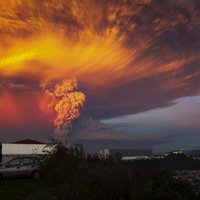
point(67, 102)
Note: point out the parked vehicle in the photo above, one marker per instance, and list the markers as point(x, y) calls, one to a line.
point(21, 167)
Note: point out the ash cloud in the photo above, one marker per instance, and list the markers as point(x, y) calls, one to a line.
point(87, 128)
point(162, 36)
point(67, 101)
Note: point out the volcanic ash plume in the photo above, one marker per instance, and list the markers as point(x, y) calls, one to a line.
point(67, 102)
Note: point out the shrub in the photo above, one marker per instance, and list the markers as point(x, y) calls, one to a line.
point(72, 176)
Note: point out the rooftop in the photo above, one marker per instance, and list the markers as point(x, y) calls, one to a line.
point(28, 141)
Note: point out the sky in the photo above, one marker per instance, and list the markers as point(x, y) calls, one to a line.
point(136, 61)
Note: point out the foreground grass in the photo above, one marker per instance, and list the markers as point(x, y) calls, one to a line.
point(18, 189)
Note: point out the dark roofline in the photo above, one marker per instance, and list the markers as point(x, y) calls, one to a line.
point(28, 141)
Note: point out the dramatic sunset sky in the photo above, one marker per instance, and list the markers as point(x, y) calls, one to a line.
point(137, 62)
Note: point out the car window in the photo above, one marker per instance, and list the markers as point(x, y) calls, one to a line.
point(15, 162)
point(28, 161)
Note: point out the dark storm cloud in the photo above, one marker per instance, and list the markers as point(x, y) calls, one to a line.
point(145, 94)
point(87, 129)
point(172, 31)
point(18, 84)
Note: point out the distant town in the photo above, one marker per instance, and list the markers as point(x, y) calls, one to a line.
point(33, 147)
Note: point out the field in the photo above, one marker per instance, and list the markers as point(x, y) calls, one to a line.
point(18, 189)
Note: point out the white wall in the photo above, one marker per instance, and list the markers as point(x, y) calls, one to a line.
point(25, 149)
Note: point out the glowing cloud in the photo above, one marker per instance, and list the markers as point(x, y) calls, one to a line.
point(17, 59)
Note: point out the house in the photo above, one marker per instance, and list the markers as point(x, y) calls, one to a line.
point(27, 147)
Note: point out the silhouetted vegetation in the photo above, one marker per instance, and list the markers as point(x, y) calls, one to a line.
point(73, 176)
point(171, 162)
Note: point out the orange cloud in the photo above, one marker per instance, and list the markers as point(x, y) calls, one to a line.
point(16, 111)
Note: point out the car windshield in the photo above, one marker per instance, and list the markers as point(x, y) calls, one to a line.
point(15, 162)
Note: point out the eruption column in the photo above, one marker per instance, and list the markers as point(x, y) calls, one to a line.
point(67, 103)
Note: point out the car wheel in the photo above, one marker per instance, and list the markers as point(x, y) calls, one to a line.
point(36, 175)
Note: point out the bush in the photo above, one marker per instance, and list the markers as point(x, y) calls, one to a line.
point(72, 176)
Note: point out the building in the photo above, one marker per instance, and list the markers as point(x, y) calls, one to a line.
point(174, 152)
point(195, 153)
point(27, 147)
point(127, 154)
